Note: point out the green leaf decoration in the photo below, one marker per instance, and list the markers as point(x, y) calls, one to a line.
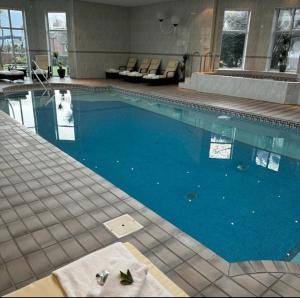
point(126, 279)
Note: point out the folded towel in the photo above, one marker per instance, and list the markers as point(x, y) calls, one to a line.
point(78, 278)
point(113, 287)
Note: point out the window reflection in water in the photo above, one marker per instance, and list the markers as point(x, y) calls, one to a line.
point(64, 116)
point(267, 159)
point(22, 110)
point(222, 142)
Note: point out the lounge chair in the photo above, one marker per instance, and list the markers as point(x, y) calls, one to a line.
point(114, 73)
point(170, 75)
point(143, 70)
point(137, 77)
point(42, 68)
point(51, 287)
point(12, 75)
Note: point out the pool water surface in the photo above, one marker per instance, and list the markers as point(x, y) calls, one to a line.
point(231, 184)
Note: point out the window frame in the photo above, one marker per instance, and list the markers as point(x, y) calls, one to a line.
point(11, 29)
point(48, 31)
point(275, 31)
point(249, 11)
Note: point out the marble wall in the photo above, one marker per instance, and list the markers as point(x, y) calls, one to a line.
point(98, 34)
point(193, 34)
point(103, 36)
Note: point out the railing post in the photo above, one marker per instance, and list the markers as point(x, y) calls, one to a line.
point(298, 70)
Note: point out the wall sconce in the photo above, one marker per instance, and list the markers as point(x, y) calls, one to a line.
point(174, 22)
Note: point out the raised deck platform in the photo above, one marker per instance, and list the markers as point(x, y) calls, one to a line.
point(271, 90)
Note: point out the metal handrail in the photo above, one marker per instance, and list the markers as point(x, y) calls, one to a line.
point(38, 78)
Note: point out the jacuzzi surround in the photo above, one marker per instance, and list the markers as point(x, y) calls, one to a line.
point(13, 131)
point(282, 92)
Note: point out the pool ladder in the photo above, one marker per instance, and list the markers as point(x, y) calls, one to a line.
point(34, 70)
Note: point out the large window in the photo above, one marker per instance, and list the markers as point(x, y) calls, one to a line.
point(286, 38)
point(234, 39)
point(58, 39)
point(13, 49)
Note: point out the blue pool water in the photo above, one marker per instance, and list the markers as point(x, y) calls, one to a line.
point(231, 184)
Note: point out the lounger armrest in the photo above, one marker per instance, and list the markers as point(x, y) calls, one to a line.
point(123, 67)
point(150, 71)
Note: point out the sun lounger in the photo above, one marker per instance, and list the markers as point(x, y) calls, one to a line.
point(170, 75)
point(137, 77)
point(43, 62)
point(12, 75)
point(114, 73)
point(142, 70)
point(50, 286)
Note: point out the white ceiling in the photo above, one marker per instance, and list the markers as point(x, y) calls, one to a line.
point(131, 3)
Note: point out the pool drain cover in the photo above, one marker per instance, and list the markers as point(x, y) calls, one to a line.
point(123, 226)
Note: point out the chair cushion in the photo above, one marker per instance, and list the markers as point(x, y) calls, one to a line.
point(124, 73)
point(41, 72)
point(113, 70)
point(135, 74)
point(11, 73)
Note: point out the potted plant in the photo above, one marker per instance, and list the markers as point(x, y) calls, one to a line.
point(61, 71)
point(284, 53)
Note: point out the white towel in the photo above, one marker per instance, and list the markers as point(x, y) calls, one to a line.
point(113, 286)
point(78, 278)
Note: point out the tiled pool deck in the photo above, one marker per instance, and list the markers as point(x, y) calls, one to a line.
point(52, 210)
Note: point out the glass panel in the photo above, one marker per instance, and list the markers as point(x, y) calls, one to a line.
point(16, 19)
point(20, 47)
point(6, 49)
point(236, 20)
point(59, 42)
point(281, 45)
point(285, 19)
point(4, 19)
point(297, 19)
point(294, 52)
point(57, 21)
point(232, 53)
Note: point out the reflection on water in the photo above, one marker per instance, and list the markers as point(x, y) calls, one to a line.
point(39, 113)
point(221, 145)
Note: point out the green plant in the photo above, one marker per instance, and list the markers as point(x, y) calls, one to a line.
point(59, 61)
point(56, 55)
point(126, 278)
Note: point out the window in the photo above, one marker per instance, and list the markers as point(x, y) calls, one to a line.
point(13, 49)
point(234, 39)
point(286, 38)
point(58, 39)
